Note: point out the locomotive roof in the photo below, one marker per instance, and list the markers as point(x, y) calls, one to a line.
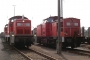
point(54, 18)
point(71, 18)
point(17, 17)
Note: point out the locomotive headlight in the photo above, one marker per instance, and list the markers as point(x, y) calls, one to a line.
point(23, 21)
point(34, 35)
point(12, 35)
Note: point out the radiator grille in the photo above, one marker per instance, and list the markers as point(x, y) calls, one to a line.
point(27, 31)
point(19, 31)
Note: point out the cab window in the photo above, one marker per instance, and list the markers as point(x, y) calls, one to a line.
point(68, 23)
point(27, 24)
point(19, 24)
point(75, 24)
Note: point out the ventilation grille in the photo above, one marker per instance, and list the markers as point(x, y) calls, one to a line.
point(27, 31)
point(19, 31)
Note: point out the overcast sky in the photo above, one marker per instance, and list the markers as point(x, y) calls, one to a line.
point(37, 10)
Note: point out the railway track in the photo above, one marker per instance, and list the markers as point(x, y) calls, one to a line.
point(32, 54)
point(78, 51)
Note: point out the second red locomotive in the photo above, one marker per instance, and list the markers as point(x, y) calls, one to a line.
point(47, 32)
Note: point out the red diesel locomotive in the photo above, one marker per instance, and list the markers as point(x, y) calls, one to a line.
point(18, 31)
point(47, 32)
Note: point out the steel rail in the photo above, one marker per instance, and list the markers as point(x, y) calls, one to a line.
point(22, 54)
point(37, 52)
point(78, 51)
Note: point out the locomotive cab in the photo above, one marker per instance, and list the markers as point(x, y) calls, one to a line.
point(47, 33)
